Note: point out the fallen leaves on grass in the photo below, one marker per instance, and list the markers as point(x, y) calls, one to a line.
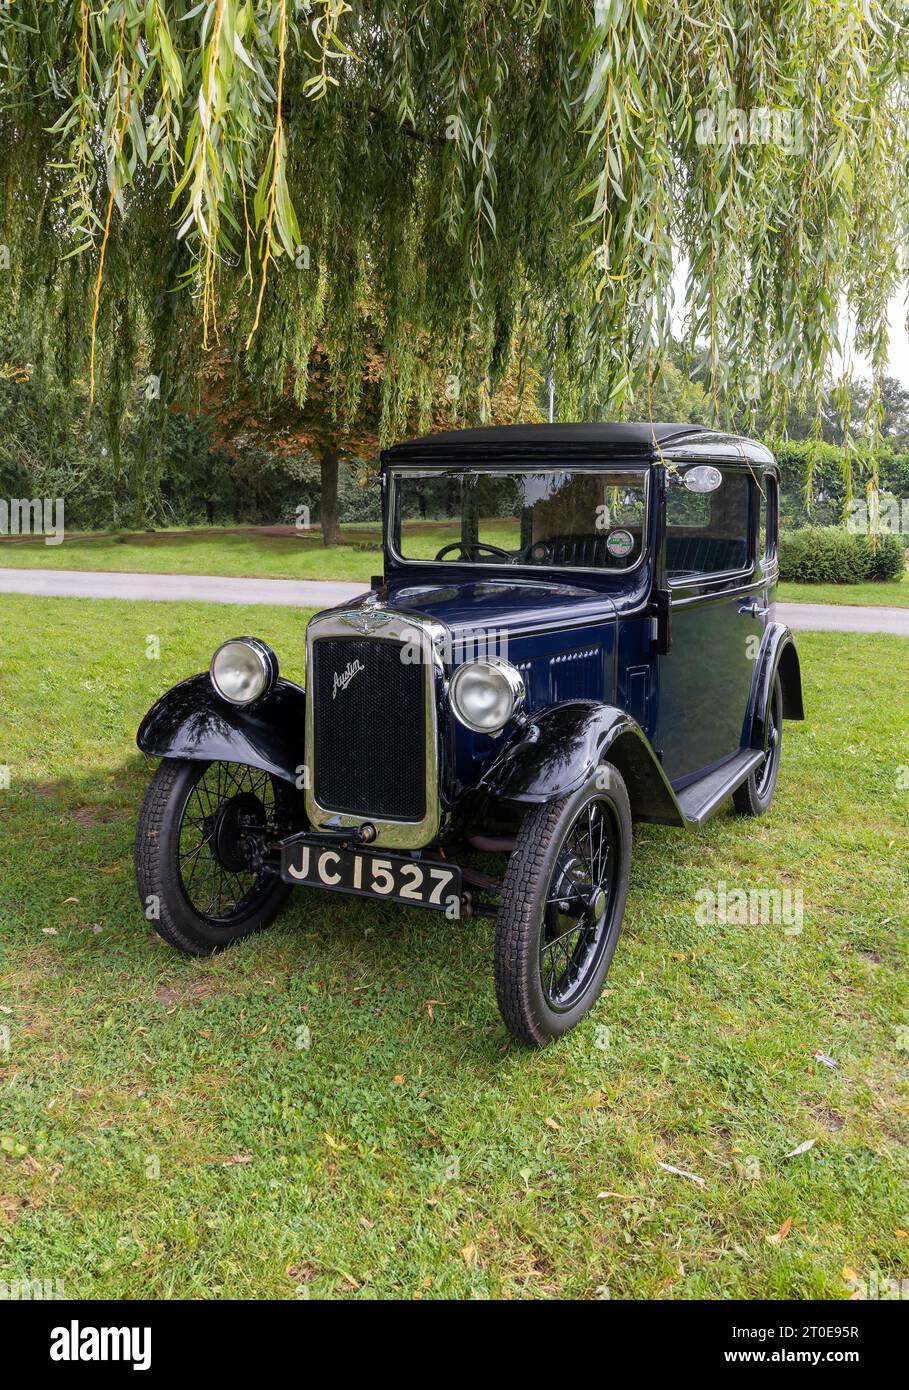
point(334, 1143)
point(849, 1274)
point(9, 1206)
point(553, 1124)
point(468, 1254)
point(227, 1160)
point(779, 1236)
point(683, 1173)
point(801, 1148)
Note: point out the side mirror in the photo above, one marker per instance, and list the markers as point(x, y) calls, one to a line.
point(702, 479)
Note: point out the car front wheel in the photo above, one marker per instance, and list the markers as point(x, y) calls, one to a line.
point(563, 900)
point(195, 869)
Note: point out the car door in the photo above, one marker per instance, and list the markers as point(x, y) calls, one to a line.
point(717, 619)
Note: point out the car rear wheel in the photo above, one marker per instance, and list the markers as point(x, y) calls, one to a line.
point(755, 794)
point(563, 900)
point(195, 869)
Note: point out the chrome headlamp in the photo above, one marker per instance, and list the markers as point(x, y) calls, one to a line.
point(486, 694)
point(243, 669)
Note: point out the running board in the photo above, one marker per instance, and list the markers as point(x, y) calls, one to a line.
point(700, 799)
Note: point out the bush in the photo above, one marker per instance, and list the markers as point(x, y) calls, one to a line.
point(833, 555)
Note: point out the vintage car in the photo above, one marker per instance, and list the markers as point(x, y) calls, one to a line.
point(574, 630)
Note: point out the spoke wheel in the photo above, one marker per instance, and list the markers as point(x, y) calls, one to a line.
point(200, 832)
point(755, 794)
point(227, 811)
point(561, 909)
point(578, 917)
point(765, 775)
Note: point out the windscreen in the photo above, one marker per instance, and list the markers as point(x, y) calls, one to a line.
point(565, 518)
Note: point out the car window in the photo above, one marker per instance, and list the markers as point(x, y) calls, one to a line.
point(768, 517)
point(550, 518)
point(707, 532)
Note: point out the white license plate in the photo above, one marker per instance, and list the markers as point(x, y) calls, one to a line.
point(418, 882)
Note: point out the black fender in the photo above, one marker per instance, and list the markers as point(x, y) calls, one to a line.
point(559, 749)
point(777, 657)
point(192, 721)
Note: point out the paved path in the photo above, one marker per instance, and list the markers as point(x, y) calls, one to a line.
point(316, 593)
point(293, 593)
point(841, 617)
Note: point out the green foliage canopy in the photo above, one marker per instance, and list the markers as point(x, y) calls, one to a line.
point(477, 187)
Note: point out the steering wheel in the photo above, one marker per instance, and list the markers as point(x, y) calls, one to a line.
point(539, 553)
point(470, 550)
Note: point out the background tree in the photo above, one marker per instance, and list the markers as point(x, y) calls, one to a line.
point(301, 180)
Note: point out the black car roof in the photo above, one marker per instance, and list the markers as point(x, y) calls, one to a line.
point(504, 442)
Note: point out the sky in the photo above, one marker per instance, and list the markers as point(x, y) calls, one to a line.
point(899, 342)
point(899, 339)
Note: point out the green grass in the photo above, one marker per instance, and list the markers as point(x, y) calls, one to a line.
point(253, 554)
point(219, 553)
point(291, 557)
point(162, 1133)
point(887, 593)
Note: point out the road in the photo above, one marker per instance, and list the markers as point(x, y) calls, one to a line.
point(841, 617)
point(197, 588)
point(316, 593)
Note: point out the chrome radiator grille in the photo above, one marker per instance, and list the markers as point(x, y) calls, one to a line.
point(369, 728)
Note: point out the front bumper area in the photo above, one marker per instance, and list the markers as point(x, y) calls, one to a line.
point(342, 865)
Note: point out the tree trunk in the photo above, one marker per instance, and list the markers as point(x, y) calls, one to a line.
point(328, 504)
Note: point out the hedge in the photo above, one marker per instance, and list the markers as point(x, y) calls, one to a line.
point(828, 492)
point(833, 555)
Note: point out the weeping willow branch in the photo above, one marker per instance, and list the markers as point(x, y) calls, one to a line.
point(433, 187)
point(110, 208)
point(277, 177)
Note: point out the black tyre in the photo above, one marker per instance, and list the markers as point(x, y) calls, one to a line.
point(756, 793)
point(563, 900)
point(193, 871)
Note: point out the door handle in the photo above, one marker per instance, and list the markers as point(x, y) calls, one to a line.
point(752, 610)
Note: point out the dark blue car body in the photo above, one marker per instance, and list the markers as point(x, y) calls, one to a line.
point(673, 677)
point(650, 656)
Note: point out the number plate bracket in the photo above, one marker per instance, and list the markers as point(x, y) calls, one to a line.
point(310, 862)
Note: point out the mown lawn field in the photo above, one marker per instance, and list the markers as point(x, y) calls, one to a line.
point(259, 555)
point(245, 553)
point(887, 593)
point(334, 1110)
